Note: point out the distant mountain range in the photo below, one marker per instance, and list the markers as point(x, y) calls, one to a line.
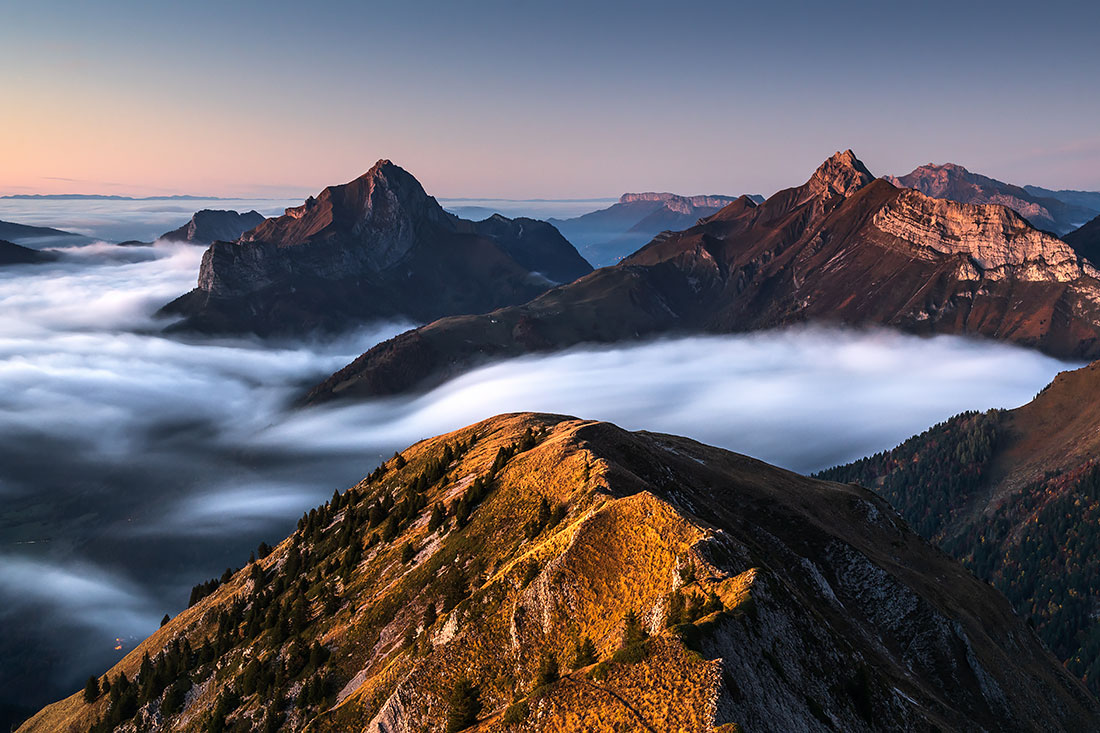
point(376, 248)
point(543, 573)
point(109, 197)
point(1055, 211)
point(1015, 495)
point(606, 236)
point(844, 248)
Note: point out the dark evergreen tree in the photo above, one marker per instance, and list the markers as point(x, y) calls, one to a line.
point(463, 705)
point(91, 689)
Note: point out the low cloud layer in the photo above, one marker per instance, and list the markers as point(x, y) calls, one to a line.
point(803, 398)
point(133, 466)
point(118, 221)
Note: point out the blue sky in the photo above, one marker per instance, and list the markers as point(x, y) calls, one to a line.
point(561, 99)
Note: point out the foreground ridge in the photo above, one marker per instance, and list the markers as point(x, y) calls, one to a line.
point(540, 572)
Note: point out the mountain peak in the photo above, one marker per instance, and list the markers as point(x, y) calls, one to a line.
point(385, 205)
point(842, 174)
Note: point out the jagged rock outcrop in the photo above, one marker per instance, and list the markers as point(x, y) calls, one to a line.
point(1086, 241)
point(606, 236)
point(14, 254)
point(950, 181)
point(845, 248)
point(675, 586)
point(376, 248)
point(214, 225)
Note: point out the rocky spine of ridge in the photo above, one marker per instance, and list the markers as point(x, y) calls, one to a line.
point(543, 573)
point(214, 225)
point(376, 248)
point(843, 249)
point(956, 183)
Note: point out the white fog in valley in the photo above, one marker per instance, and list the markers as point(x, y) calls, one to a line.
point(133, 465)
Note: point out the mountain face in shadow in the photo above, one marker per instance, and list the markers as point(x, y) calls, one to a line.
point(844, 248)
point(544, 573)
point(1086, 240)
point(1015, 495)
point(377, 248)
point(14, 254)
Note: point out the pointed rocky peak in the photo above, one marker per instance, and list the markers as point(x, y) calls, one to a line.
point(384, 190)
point(382, 208)
point(842, 174)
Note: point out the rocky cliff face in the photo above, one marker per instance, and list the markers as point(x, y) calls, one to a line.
point(997, 241)
point(378, 247)
point(543, 573)
point(214, 225)
point(950, 181)
point(843, 248)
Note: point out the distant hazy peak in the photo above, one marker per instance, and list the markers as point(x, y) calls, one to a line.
point(213, 225)
point(677, 203)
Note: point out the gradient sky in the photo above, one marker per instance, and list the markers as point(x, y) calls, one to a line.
point(554, 99)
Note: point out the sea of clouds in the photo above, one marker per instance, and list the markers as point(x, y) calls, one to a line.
point(133, 465)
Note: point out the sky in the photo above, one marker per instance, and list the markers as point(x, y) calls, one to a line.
point(555, 100)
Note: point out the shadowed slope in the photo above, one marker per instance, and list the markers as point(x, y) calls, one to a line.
point(1016, 495)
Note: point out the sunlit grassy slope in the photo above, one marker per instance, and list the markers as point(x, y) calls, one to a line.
point(537, 572)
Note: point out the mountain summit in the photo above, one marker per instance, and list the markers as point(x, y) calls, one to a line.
point(842, 174)
point(544, 573)
point(844, 248)
point(376, 248)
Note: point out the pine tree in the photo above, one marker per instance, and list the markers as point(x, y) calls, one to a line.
point(633, 633)
point(430, 616)
point(91, 689)
point(585, 653)
point(463, 705)
point(548, 670)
